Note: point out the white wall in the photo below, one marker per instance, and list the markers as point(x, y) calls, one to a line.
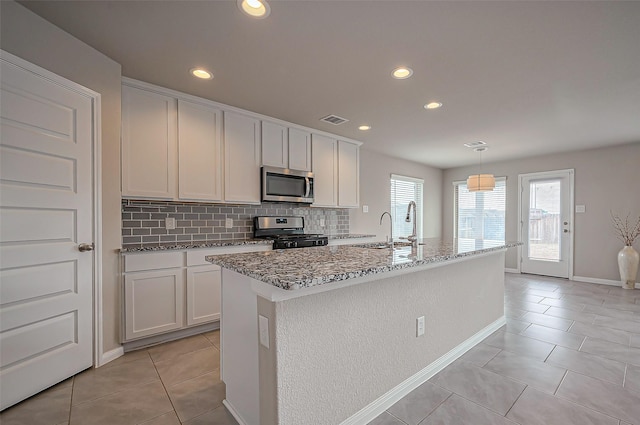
point(606, 179)
point(375, 187)
point(30, 37)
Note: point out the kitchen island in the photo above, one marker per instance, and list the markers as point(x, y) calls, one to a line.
point(328, 335)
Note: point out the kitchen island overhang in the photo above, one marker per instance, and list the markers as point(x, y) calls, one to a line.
point(344, 351)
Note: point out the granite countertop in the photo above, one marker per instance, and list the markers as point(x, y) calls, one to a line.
point(192, 245)
point(306, 267)
point(213, 244)
point(350, 236)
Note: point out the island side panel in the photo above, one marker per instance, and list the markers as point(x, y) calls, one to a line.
point(239, 347)
point(338, 351)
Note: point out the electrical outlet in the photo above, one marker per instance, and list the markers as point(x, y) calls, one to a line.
point(228, 223)
point(365, 208)
point(170, 223)
point(420, 326)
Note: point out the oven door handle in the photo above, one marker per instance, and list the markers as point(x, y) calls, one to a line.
point(308, 187)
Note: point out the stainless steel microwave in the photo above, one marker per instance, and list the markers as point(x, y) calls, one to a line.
point(286, 185)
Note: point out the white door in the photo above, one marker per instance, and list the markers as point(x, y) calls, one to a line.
point(45, 214)
point(547, 223)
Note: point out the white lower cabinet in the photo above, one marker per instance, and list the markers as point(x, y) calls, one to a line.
point(168, 291)
point(162, 293)
point(154, 302)
point(203, 294)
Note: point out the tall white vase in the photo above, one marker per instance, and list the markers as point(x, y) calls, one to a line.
point(628, 259)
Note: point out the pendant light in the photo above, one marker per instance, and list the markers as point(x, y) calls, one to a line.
point(481, 182)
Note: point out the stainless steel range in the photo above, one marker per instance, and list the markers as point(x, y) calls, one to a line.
point(286, 232)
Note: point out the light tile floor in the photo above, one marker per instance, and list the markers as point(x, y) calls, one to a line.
point(169, 384)
point(568, 355)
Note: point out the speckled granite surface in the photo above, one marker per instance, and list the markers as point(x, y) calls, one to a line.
point(212, 244)
point(306, 267)
point(192, 245)
point(350, 236)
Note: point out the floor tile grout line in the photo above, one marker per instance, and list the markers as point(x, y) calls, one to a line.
point(515, 401)
point(166, 391)
point(437, 407)
point(73, 387)
point(577, 403)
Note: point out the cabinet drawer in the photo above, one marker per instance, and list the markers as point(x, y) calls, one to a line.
point(153, 261)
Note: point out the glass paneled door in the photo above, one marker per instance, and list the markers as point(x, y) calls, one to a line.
point(546, 206)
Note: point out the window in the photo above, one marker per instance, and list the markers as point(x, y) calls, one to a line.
point(404, 190)
point(479, 216)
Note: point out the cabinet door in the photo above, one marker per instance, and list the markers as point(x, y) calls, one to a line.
point(148, 144)
point(203, 294)
point(299, 149)
point(275, 149)
point(154, 302)
point(242, 158)
point(199, 152)
point(324, 166)
point(348, 171)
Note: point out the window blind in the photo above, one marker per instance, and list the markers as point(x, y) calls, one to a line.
point(404, 190)
point(479, 216)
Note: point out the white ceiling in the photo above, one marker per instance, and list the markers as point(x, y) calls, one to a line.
point(528, 78)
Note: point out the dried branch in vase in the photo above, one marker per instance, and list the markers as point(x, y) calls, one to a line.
point(626, 232)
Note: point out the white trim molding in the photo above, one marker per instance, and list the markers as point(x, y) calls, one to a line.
point(233, 412)
point(374, 409)
point(111, 355)
point(600, 281)
point(510, 270)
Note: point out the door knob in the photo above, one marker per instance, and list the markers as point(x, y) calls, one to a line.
point(83, 247)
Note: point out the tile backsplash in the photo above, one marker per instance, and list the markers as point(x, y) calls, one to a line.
point(144, 221)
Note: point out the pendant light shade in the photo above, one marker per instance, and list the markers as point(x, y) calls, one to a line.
point(481, 183)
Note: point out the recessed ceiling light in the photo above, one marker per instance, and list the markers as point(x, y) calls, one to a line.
point(201, 73)
point(255, 8)
point(364, 127)
point(433, 105)
point(402, 73)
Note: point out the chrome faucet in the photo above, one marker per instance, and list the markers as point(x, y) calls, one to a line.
point(390, 226)
point(413, 237)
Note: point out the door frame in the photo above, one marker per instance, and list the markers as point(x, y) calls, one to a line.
point(96, 196)
point(542, 175)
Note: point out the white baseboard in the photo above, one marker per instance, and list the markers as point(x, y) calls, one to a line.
point(508, 270)
point(601, 281)
point(233, 412)
point(110, 356)
point(374, 409)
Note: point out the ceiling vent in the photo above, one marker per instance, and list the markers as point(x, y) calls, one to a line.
point(334, 119)
point(475, 144)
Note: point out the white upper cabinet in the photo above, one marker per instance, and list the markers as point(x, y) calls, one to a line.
point(180, 147)
point(299, 149)
point(325, 170)
point(285, 147)
point(149, 144)
point(275, 145)
point(199, 152)
point(336, 169)
point(242, 158)
point(348, 174)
